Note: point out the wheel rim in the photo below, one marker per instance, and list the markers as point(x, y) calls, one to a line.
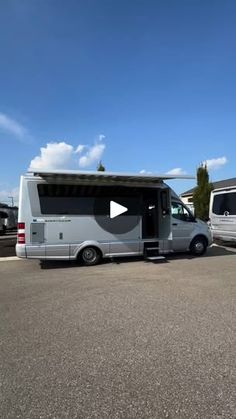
point(199, 247)
point(89, 255)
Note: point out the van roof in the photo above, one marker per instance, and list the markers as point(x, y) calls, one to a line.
point(104, 177)
point(225, 189)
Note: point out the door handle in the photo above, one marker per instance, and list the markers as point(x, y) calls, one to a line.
point(174, 224)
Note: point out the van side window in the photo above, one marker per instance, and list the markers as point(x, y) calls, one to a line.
point(179, 212)
point(75, 199)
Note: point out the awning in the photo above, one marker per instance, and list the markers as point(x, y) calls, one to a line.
point(108, 178)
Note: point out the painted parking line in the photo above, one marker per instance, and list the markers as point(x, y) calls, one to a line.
point(8, 237)
point(9, 258)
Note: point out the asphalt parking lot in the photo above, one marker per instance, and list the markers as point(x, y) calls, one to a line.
point(120, 340)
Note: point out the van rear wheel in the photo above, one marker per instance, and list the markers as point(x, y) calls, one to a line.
point(90, 256)
point(198, 246)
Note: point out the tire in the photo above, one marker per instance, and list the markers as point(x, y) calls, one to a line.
point(90, 256)
point(198, 246)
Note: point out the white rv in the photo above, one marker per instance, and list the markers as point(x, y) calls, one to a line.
point(92, 215)
point(222, 214)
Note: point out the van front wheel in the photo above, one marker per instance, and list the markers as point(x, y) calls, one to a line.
point(198, 246)
point(90, 256)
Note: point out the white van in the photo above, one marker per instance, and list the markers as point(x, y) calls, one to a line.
point(222, 214)
point(92, 215)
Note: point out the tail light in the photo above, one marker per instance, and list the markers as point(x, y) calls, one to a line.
point(21, 226)
point(21, 233)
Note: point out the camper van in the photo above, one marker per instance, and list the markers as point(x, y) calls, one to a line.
point(93, 215)
point(222, 214)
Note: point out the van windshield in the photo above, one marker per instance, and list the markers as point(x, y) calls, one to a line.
point(225, 202)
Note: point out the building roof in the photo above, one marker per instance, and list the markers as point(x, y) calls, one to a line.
point(94, 177)
point(216, 185)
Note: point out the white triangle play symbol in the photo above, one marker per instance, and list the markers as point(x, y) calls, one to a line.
point(116, 209)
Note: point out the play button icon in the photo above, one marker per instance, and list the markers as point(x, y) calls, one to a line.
point(117, 214)
point(116, 209)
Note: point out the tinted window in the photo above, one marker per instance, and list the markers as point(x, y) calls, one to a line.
point(86, 199)
point(225, 203)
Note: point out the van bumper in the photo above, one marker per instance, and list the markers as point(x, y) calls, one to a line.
point(20, 250)
point(225, 236)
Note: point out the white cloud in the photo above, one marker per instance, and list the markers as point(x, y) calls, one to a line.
point(145, 172)
point(214, 164)
point(101, 137)
point(60, 155)
point(93, 155)
point(80, 148)
point(11, 126)
point(53, 156)
point(177, 171)
point(5, 196)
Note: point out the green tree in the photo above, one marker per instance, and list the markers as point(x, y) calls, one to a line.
point(100, 167)
point(201, 196)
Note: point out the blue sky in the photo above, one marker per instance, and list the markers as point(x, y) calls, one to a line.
point(140, 84)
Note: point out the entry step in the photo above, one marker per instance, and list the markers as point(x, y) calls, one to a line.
point(153, 258)
point(151, 248)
